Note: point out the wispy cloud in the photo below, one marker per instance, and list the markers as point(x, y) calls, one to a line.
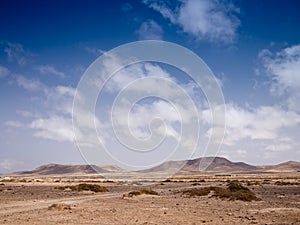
point(4, 71)
point(10, 164)
point(29, 84)
point(214, 21)
point(16, 52)
point(94, 51)
point(150, 30)
point(47, 69)
point(14, 123)
point(126, 7)
point(53, 119)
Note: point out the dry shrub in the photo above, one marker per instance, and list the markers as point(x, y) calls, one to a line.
point(85, 187)
point(134, 193)
point(143, 191)
point(59, 206)
point(148, 192)
point(234, 191)
point(286, 183)
point(197, 191)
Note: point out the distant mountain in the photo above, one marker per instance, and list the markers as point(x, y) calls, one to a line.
point(216, 165)
point(59, 169)
point(219, 165)
point(290, 166)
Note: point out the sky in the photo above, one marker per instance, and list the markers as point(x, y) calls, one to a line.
point(252, 48)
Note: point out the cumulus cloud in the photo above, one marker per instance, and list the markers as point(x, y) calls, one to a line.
point(47, 69)
point(283, 68)
point(262, 123)
point(150, 30)
point(214, 21)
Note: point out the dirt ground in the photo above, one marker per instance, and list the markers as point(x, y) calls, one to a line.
point(45, 200)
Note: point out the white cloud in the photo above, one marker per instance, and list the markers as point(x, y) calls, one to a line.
point(47, 69)
point(30, 85)
point(53, 128)
point(4, 71)
point(283, 68)
point(53, 119)
point(262, 123)
point(150, 30)
point(205, 20)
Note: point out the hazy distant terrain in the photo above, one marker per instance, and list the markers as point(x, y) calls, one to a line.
point(219, 166)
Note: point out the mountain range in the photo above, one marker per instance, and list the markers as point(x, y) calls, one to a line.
point(218, 165)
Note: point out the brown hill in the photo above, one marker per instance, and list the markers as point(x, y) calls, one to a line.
point(290, 166)
point(219, 165)
point(58, 169)
point(216, 165)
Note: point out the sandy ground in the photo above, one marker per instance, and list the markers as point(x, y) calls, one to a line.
point(40, 201)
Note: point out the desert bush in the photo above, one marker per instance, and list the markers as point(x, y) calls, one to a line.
point(167, 180)
point(143, 191)
point(60, 206)
point(236, 186)
point(134, 193)
point(84, 187)
point(221, 192)
point(197, 191)
point(286, 183)
point(244, 195)
point(234, 191)
point(149, 192)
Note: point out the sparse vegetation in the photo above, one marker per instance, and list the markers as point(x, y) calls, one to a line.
point(286, 183)
point(167, 180)
point(250, 183)
point(143, 191)
point(234, 191)
point(197, 191)
point(61, 206)
point(85, 187)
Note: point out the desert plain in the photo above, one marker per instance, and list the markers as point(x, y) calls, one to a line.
point(59, 200)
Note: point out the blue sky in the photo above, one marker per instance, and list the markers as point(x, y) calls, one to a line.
point(252, 47)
